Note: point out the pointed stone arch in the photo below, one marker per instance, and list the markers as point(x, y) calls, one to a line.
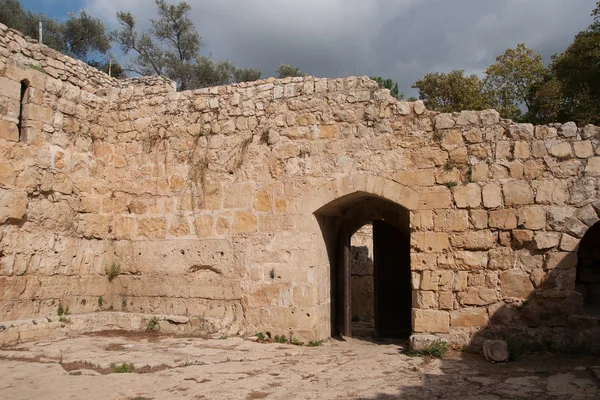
point(348, 204)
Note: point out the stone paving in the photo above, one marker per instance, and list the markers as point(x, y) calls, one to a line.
point(167, 367)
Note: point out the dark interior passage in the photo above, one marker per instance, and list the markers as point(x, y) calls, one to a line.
point(588, 270)
point(390, 294)
point(393, 298)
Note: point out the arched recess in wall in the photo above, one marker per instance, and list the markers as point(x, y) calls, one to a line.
point(588, 270)
point(339, 220)
point(23, 99)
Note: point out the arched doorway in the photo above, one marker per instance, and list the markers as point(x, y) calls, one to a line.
point(588, 270)
point(392, 294)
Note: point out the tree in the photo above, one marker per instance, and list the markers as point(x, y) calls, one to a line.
point(452, 91)
point(577, 70)
point(83, 34)
point(509, 80)
point(172, 48)
point(389, 84)
point(80, 36)
point(285, 70)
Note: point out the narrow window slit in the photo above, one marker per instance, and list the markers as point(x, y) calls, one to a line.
point(22, 102)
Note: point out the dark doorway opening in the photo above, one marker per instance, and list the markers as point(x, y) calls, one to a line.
point(588, 270)
point(391, 295)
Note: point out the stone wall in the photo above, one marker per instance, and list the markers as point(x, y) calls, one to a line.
point(361, 267)
point(202, 202)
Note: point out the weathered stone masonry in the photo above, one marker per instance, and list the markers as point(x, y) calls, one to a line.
point(206, 201)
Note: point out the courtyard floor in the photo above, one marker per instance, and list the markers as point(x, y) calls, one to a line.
point(167, 367)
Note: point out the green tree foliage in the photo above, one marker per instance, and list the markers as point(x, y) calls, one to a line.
point(80, 36)
point(13, 16)
point(172, 48)
point(389, 84)
point(448, 92)
point(575, 79)
point(285, 70)
point(509, 80)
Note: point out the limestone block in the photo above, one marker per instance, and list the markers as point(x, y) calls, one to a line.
point(516, 170)
point(444, 121)
point(445, 300)
point(243, 222)
point(262, 201)
point(179, 226)
point(430, 321)
point(583, 149)
point(517, 192)
point(521, 131)
point(476, 296)
point(480, 172)
point(515, 284)
point(546, 240)
point(568, 130)
point(124, 228)
point(492, 195)
point(422, 262)
point(423, 342)
point(569, 243)
point(590, 131)
point(203, 225)
point(468, 118)
point(496, 351)
point(434, 197)
point(502, 150)
point(13, 205)
point(521, 237)
point(593, 166)
point(7, 174)
point(10, 88)
point(521, 150)
point(489, 117)
point(501, 258)
point(430, 242)
point(9, 131)
point(587, 214)
point(451, 220)
point(479, 219)
point(452, 139)
point(154, 228)
point(468, 196)
point(41, 114)
point(443, 176)
point(424, 299)
point(474, 135)
point(95, 226)
point(474, 240)
point(538, 149)
point(422, 219)
point(561, 260)
point(420, 177)
point(551, 191)
point(532, 217)
point(470, 260)
point(419, 107)
point(468, 317)
point(562, 151)
point(503, 219)
point(545, 132)
point(238, 196)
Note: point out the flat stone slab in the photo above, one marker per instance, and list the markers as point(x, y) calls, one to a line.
point(167, 367)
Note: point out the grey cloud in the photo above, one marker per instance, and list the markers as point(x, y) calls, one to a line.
point(400, 39)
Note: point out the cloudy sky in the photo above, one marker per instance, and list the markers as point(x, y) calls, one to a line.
point(399, 39)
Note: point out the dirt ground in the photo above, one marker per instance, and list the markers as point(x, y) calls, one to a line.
point(166, 367)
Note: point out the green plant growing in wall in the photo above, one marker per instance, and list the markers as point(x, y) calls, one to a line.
point(113, 271)
point(122, 369)
point(152, 325)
